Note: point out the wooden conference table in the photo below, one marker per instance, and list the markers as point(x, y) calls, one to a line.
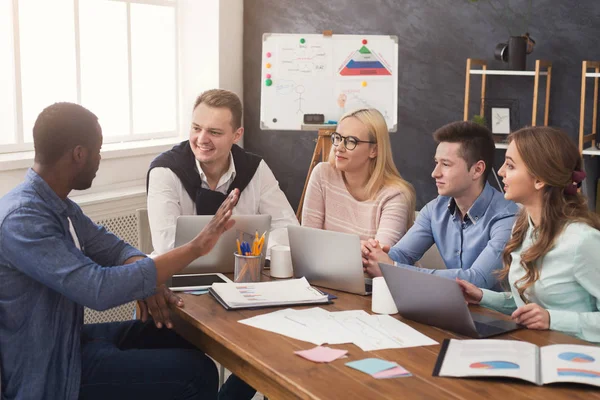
point(267, 361)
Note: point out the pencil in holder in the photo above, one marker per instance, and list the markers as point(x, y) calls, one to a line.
point(247, 268)
point(249, 238)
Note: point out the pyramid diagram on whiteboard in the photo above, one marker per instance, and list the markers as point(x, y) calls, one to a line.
point(364, 63)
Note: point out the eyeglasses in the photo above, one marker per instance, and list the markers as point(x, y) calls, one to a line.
point(350, 142)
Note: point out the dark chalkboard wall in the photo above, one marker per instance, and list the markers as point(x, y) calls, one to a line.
point(436, 37)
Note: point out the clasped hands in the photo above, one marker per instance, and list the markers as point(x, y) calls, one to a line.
point(373, 253)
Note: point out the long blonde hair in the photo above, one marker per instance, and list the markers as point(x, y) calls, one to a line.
point(382, 170)
point(552, 157)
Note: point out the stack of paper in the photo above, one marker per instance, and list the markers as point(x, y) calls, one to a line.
point(318, 326)
point(380, 369)
point(266, 294)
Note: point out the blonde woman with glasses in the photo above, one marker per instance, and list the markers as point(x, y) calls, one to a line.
point(360, 190)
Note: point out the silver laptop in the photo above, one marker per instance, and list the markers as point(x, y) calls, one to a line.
point(438, 301)
point(220, 258)
point(328, 259)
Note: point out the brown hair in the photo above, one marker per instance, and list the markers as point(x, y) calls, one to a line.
point(221, 98)
point(476, 143)
point(551, 157)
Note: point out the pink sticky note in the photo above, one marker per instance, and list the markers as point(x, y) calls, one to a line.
point(321, 354)
point(391, 373)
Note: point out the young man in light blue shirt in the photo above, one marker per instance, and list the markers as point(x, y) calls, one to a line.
point(470, 221)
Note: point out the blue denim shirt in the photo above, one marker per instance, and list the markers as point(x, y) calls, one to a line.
point(45, 281)
point(471, 248)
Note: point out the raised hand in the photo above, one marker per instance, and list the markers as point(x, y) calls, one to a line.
point(220, 223)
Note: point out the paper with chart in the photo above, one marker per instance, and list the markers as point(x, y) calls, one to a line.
point(329, 75)
point(318, 326)
point(570, 363)
point(506, 358)
point(255, 294)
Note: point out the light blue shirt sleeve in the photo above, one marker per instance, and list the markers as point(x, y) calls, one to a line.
point(499, 301)
point(416, 241)
point(585, 325)
point(481, 273)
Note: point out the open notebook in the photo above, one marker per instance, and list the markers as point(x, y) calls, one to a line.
point(521, 360)
point(267, 294)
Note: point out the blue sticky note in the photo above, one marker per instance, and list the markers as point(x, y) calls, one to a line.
point(371, 365)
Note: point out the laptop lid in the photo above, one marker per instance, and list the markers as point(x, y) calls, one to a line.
point(220, 258)
point(328, 259)
point(437, 301)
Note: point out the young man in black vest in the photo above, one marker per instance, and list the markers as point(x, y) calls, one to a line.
point(195, 177)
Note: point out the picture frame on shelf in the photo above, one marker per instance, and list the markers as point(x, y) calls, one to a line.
point(502, 116)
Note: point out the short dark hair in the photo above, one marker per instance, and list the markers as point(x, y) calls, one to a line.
point(221, 98)
point(476, 142)
point(60, 128)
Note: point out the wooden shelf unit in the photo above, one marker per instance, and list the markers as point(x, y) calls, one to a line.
point(590, 137)
point(484, 72)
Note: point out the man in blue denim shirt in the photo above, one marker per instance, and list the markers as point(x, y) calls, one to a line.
point(470, 222)
point(54, 261)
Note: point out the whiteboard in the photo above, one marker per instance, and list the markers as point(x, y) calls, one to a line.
point(330, 75)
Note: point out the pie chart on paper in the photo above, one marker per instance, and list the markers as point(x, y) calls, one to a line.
point(494, 365)
point(576, 357)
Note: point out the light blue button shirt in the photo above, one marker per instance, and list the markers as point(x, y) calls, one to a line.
point(569, 283)
point(471, 248)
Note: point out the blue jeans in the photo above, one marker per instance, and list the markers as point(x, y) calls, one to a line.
point(133, 359)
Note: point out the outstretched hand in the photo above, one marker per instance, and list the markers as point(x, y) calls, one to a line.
point(220, 223)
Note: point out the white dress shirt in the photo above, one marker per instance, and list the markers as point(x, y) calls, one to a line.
point(168, 199)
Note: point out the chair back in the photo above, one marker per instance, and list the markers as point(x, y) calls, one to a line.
point(144, 235)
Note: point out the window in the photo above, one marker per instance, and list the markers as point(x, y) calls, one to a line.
point(118, 58)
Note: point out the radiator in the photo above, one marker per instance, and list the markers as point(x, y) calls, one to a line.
point(126, 228)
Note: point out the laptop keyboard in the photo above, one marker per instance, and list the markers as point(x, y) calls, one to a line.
point(487, 330)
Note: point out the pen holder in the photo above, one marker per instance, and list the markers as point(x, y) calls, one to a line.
point(247, 268)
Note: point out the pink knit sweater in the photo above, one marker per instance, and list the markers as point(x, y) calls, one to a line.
point(328, 205)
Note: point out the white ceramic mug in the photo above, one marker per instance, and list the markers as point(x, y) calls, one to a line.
point(281, 262)
point(381, 299)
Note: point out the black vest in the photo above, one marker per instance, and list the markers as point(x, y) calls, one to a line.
point(180, 159)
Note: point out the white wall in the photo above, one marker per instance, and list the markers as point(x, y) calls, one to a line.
point(231, 35)
point(210, 56)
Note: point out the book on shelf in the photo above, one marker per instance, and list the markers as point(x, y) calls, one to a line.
point(522, 360)
point(267, 294)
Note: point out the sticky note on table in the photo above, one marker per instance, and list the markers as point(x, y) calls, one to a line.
point(371, 365)
point(321, 354)
point(392, 373)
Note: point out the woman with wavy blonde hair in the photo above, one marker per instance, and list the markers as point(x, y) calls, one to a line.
point(360, 189)
point(551, 259)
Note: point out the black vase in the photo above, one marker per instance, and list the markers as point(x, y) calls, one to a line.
point(517, 53)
